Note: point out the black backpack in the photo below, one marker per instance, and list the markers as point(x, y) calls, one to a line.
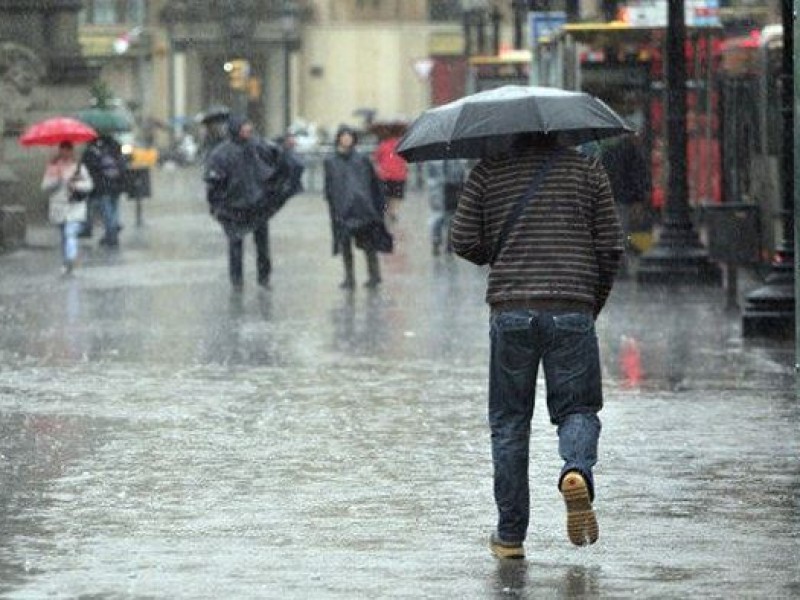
point(110, 165)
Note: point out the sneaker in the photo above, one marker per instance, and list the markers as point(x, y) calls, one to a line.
point(372, 283)
point(503, 549)
point(347, 284)
point(582, 526)
point(68, 268)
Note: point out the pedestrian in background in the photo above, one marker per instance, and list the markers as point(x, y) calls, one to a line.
point(624, 160)
point(67, 183)
point(356, 204)
point(239, 174)
point(106, 163)
point(444, 181)
point(552, 265)
point(393, 172)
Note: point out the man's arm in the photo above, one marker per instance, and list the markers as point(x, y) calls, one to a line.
point(467, 235)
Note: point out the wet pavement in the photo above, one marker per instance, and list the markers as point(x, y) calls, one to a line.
point(163, 438)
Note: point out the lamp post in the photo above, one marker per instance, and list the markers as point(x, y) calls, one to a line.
point(770, 310)
point(288, 28)
point(796, 207)
point(678, 257)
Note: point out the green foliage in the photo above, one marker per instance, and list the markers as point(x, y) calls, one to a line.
point(101, 94)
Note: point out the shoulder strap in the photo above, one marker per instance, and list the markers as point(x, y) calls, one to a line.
point(515, 213)
point(78, 165)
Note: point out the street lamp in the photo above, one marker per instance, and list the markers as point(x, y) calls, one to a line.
point(770, 309)
point(678, 256)
point(288, 28)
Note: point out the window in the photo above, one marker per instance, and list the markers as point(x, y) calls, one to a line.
point(103, 12)
point(114, 12)
point(136, 12)
point(445, 10)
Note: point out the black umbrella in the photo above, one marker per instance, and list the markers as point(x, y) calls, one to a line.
point(216, 113)
point(485, 123)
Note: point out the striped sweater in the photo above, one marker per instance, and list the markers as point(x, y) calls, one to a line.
point(566, 246)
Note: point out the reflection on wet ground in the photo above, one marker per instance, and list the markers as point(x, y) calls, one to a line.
point(162, 437)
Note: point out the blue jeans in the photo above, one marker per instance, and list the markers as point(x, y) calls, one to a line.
point(109, 208)
point(566, 344)
point(69, 240)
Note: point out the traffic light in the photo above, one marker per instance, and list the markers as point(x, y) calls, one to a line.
point(238, 71)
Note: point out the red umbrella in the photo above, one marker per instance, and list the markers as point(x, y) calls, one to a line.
point(51, 132)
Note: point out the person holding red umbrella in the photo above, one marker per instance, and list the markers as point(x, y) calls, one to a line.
point(67, 182)
point(392, 171)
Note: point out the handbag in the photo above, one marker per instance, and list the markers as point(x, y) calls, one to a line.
point(521, 204)
point(76, 196)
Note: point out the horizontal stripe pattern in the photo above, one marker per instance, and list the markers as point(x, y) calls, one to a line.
point(567, 242)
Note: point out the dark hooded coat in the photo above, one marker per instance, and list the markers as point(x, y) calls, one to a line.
point(356, 201)
point(240, 177)
point(106, 164)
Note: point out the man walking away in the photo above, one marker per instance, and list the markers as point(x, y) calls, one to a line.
point(106, 164)
point(552, 268)
point(241, 175)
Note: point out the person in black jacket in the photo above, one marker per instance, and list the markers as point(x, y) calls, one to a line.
point(240, 175)
point(356, 203)
point(626, 165)
point(106, 164)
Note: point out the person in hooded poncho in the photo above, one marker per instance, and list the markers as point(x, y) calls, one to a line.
point(356, 203)
point(240, 173)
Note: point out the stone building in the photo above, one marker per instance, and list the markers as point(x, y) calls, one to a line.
point(42, 72)
point(315, 60)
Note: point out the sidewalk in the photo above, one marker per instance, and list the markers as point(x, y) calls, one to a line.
point(163, 438)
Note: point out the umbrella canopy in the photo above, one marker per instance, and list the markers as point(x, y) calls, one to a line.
point(52, 132)
point(479, 125)
point(105, 120)
point(217, 112)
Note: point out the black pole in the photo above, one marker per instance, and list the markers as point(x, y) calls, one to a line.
point(770, 310)
point(520, 11)
point(481, 26)
point(496, 18)
point(678, 256)
point(468, 46)
point(676, 211)
point(573, 10)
